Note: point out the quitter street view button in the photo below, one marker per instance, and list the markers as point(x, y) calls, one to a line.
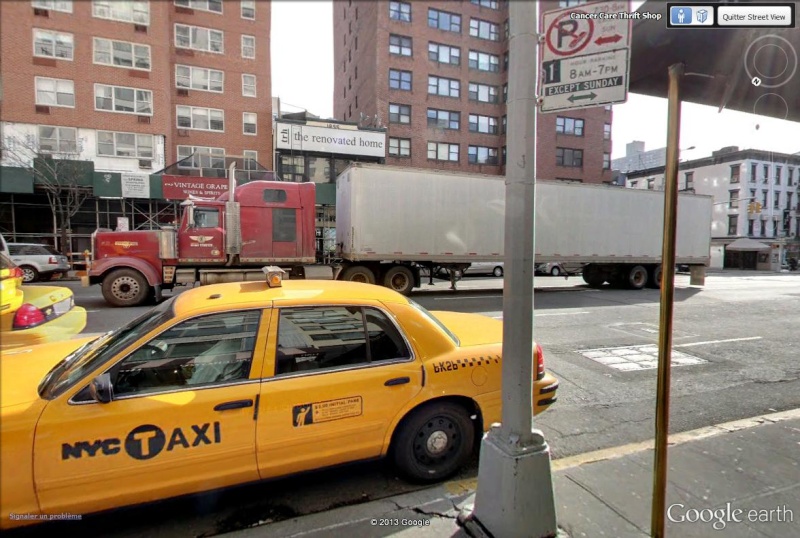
point(755, 15)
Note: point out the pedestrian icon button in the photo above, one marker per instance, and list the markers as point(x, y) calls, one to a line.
point(682, 15)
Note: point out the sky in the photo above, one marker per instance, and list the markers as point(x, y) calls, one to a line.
point(302, 76)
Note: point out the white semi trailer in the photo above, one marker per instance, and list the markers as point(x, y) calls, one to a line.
point(390, 221)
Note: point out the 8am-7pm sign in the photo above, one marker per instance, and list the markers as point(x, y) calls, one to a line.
point(585, 56)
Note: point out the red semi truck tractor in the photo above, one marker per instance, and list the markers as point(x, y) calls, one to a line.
point(221, 240)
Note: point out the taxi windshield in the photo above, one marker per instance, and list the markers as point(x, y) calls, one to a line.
point(92, 354)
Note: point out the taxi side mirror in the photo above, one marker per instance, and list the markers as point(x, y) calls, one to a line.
point(101, 388)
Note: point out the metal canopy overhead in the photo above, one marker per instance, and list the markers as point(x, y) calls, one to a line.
point(747, 245)
point(732, 56)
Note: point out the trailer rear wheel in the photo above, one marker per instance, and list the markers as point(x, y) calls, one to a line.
point(359, 273)
point(637, 277)
point(125, 287)
point(655, 277)
point(400, 279)
point(593, 276)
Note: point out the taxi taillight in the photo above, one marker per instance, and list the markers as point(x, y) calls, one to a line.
point(14, 272)
point(539, 362)
point(28, 316)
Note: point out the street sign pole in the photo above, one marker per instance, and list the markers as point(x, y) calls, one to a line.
point(667, 302)
point(515, 488)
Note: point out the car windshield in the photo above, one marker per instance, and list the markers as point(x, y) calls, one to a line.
point(92, 354)
point(436, 321)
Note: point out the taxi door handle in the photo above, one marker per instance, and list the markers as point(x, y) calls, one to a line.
point(238, 404)
point(398, 381)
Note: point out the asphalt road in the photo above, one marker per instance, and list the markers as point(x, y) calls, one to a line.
point(737, 337)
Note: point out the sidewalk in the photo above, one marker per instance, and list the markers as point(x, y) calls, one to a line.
point(741, 479)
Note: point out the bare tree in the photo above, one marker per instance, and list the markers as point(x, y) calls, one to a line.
point(56, 167)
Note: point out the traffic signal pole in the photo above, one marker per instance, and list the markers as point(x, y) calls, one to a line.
point(515, 488)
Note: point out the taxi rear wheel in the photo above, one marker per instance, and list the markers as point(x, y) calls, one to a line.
point(434, 442)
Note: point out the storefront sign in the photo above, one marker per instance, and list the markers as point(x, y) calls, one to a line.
point(135, 185)
point(330, 140)
point(180, 187)
point(123, 224)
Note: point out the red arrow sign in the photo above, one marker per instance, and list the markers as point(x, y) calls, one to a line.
point(602, 40)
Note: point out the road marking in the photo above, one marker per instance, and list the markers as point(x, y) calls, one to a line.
point(499, 314)
point(636, 358)
point(462, 297)
point(719, 341)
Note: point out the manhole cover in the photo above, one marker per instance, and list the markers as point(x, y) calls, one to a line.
point(631, 358)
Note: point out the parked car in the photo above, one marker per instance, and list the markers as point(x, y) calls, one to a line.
point(558, 269)
point(232, 383)
point(32, 315)
point(485, 268)
point(38, 262)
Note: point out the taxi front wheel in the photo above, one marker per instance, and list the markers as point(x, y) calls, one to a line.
point(434, 442)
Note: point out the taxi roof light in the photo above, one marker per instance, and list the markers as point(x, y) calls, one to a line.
point(275, 276)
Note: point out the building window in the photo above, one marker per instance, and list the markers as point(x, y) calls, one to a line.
point(482, 93)
point(569, 126)
point(570, 157)
point(503, 156)
point(482, 124)
point(483, 61)
point(450, 22)
point(446, 87)
point(400, 147)
point(55, 5)
point(49, 44)
point(735, 173)
point(764, 196)
point(248, 9)
point(201, 157)
point(57, 139)
point(766, 172)
point(778, 174)
point(506, 29)
point(607, 131)
point(249, 121)
point(202, 39)
point(399, 45)
point(55, 92)
point(199, 78)
point(249, 86)
point(135, 12)
point(399, 113)
point(753, 173)
point(440, 151)
point(570, 3)
point(733, 202)
point(606, 161)
point(121, 54)
point(250, 159)
point(202, 119)
point(214, 6)
point(111, 144)
point(651, 183)
point(491, 4)
point(248, 47)
point(505, 93)
point(776, 196)
point(482, 155)
point(444, 54)
point(121, 99)
point(505, 61)
point(790, 178)
point(443, 119)
point(732, 222)
point(400, 11)
point(484, 30)
point(750, 226)
point(400, 80)
point(689, 176)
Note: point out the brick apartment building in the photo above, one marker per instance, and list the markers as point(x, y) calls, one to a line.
point(132, 87)
point(436, 75)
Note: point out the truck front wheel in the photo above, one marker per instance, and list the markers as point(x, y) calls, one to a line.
point(359, 273)
point(125, 287)
point(400, 279)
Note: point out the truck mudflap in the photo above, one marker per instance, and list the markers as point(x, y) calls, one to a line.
point(85, 281)
point(697, 276)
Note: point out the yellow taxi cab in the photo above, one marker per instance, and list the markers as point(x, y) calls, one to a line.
point(233, 383)
point(31, 315)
